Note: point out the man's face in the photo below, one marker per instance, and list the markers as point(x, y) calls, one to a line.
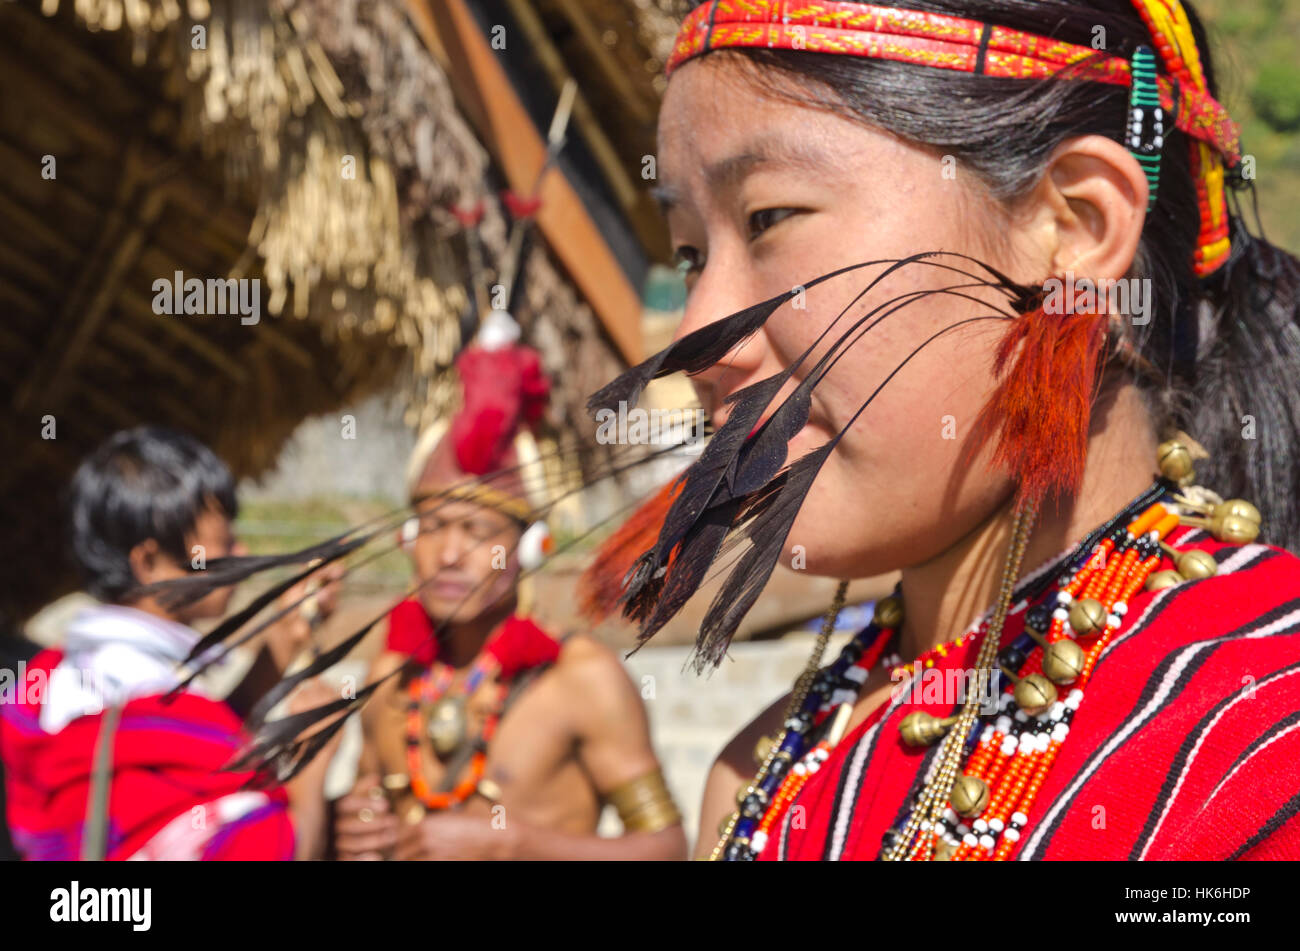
point(465, 560)
point(212, 537)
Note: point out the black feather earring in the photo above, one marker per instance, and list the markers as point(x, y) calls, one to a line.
point(768, 530)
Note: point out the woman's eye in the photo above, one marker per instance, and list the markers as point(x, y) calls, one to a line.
point(760, 221)
point(688, 260)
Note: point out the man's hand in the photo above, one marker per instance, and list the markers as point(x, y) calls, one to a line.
point(365, 828)
point(318, 592)
point(453, 835)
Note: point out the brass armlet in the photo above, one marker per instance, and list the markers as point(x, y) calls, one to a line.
point(645, 804)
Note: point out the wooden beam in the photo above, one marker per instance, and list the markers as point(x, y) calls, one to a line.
point(520, 150)
point(553, 63)
point(175, 327)
point(614, 72)
point(139, 203)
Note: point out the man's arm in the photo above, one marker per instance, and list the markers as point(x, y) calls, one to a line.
point(609, 723)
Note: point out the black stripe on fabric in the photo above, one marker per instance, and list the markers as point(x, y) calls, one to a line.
point(708, 33)
point(986, 32)
point(1148, 691)
point(909, 800)
point(1099, 757)
point(1279, 819)
point(1287, 721)
point(1264, 555)
point(879, 731)
point(835, 803)
point(1223, 554)
point(1185, 750)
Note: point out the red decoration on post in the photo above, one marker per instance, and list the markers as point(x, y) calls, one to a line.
point(519, 206)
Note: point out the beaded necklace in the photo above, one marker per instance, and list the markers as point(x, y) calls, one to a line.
point(431, 690)
point(1006, 753)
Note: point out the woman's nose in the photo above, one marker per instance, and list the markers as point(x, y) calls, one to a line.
point(714, 297)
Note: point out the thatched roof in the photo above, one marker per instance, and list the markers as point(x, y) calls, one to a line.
point(211, 137)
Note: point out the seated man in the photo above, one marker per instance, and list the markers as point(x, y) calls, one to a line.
point(496, 741)
point(97, 762)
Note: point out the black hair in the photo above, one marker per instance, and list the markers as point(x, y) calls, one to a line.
point(1226, 349)
point(142, 483)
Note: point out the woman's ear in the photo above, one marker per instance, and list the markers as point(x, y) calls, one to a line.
point(1092, 200)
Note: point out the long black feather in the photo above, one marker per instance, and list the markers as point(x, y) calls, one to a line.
point(767, 534)
point(241, 617)
point(698, 550)
point(701, 348)
point(326, 660)
point(276, 753)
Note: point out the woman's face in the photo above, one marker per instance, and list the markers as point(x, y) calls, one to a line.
point(762, 196)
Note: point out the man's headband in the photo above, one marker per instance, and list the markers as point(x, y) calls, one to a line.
point(949, 42)
point(482, 494)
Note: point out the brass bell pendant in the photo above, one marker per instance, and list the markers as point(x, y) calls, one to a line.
point(970, 796)
point(1193, 563)
point(1063, 662)
point(448, 724)
point(1033, 694)
point(1164, 579)
point(922, 729)
point(1087, 617)
point(1175, 461)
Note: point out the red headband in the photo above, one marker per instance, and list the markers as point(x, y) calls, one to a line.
point(932, 39)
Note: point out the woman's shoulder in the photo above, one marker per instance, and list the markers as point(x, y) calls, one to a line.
point(1253, 593)
point(1199, 650)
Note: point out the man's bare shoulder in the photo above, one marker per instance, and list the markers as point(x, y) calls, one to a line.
point(587, 663)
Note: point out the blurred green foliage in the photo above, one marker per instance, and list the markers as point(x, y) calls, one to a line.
point(1256, 49)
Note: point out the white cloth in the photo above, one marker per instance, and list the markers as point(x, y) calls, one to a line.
point(186, 837)
point(112, 654)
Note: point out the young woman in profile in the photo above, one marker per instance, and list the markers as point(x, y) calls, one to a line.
point(1088, 655)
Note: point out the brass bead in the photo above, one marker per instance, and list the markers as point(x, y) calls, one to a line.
point(970, 795)
point(943, 851)
point(1087, 617)
point(1175, 462)
point(726, 821)
point(1164, 579)
point(1034, 694)
point(1234, 529)
point(888, 613)
point(1238, 508)
point(922, 729)
point(1063, 662)
point(1196, 564)
point(744, 790)
point(762, 748)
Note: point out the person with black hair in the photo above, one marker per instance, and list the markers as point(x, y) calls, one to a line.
point(1030, 208)
point(98, 761)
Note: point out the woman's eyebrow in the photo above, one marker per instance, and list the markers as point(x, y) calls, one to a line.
point(771, 150)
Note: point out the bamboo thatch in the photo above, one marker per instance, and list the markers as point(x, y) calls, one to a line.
point(215, 137)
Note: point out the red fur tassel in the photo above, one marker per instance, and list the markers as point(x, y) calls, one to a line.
point(601, 585)
point(1041, 409)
